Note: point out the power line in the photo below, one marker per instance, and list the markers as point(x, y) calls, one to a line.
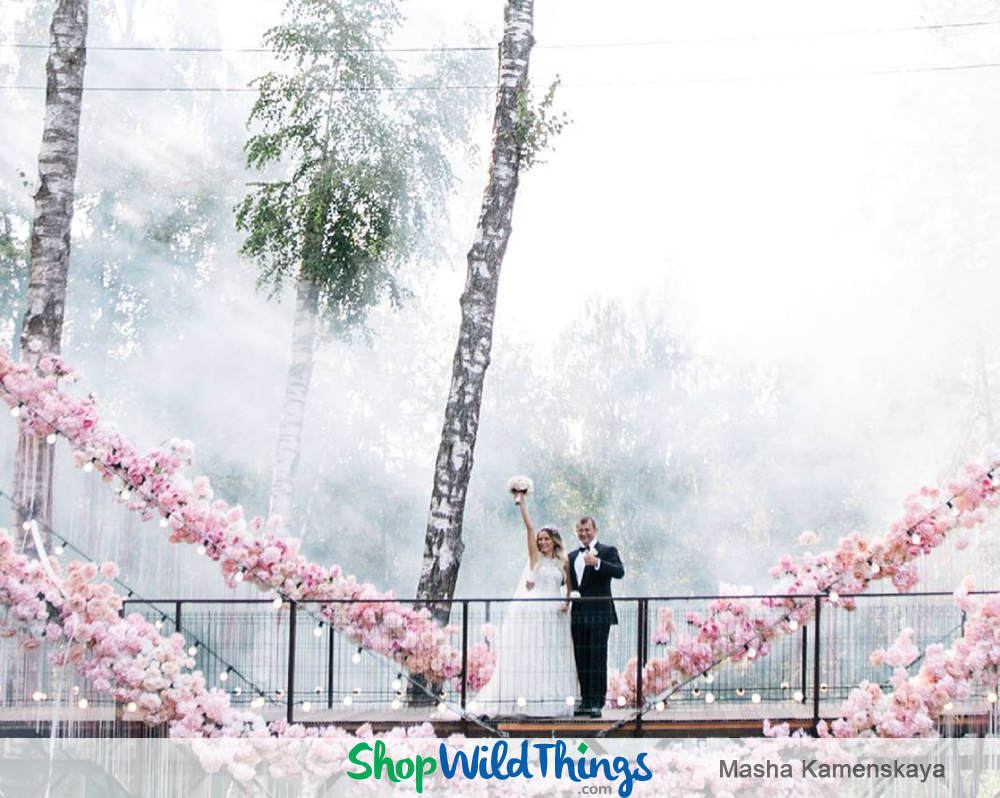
point(494, 87)
point(556, 46)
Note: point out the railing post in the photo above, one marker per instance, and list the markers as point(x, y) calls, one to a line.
point(290, 700)
point(465, 651)
point(816, 647)
point(177, 616)
point(642, 621)
point(805, 661)
point(329, 670)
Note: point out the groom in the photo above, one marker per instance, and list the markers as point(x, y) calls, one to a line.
point(591, 568)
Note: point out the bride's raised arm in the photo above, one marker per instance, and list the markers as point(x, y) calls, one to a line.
point(529, 529)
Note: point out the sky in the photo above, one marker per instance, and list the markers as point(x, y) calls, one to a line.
point(804, 187)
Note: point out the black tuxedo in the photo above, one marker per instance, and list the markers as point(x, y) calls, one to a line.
point(592, 622)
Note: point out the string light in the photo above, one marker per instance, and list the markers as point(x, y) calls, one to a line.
point(224, 676)
point(709, 698)
point(318, 631)
point(992, 697)
point(661, 705)
point(50, 438)
point(193, 650)
point(785, 685)
point(318, 690)
point(916, 539)
point(201, 549)
point(473, 705)
point(158, 624)
point(279, 693)
point(696, 692)
point(823, 687)
point(793, 624)
point(83, 703)
point(38, 695)
point(443, 707)
point(876, 567)
point(131, 707)
point(356, 657)
point(751, 652)
point(348, 700)
point(278, 602)
point(798, 697)
point(949, 707)
point(397, 684)
point(834, 597)
point(258, 702)
point(570, 700)
point(709, 678)
point(58, 549)
point(307, 707)
point(741, 691)
point(238, 577)
point(16, 411)
point(237, 691)
point(755, 698)
point(621, 701)
point(76, 689)
point(396, 704)
point(164, 523)
point(521, 701)
point(26, 526)
point(88, 466)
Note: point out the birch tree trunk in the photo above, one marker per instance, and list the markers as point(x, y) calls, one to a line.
point(41, 330)
point(293, 409)
point(443, 544)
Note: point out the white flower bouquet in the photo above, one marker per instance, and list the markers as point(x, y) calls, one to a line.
point(518, 486)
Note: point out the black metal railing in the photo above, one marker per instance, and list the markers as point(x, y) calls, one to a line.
point(286, 663)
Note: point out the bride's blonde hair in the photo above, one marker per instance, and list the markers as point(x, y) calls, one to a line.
point(558, 547)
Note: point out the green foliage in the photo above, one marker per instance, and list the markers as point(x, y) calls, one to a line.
point(354, 159)
point(14, 258)
point(537, 124)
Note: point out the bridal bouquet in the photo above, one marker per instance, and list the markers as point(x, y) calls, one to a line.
point(518, 486)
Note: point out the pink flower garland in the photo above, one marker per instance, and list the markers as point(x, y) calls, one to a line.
point(917, 703)
point(246, 551)
point(737, 630)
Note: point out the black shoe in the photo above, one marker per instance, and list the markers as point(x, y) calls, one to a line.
point(595, 712)
point(581, 712)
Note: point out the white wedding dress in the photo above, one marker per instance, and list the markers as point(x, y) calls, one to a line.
point(535, 672)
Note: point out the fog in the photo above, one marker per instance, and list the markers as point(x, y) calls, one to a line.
point(751, 291)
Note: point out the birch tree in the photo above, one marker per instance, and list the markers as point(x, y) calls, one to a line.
point(520, 133)
point(41, 330)
point(361, 175)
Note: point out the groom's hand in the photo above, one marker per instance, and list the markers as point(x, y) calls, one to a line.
point(590, 559)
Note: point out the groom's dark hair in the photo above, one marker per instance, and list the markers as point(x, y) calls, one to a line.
point(585, 519)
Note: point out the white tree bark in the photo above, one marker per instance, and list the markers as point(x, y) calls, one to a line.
point(293, 410)
point(41, 330)
point(443, 544)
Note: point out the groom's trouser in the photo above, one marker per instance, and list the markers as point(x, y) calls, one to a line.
point(590, 646)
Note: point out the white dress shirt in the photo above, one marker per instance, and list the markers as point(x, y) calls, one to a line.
point(579, 564)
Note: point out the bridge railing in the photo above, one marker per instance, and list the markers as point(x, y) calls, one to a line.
point(285, 663)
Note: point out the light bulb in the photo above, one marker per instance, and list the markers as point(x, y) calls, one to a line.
point(741, 691)
point(751, 652)
point(823, 687)
point(278, 602)
point(224, 676)
point(38, 695)
point(58, 549)
point(348, 700)
point(876, 567)
point(621, 701)
point(131, 707)
point(125, 494)
point(164, 523)
point(755, 698)
point(280, 693)
point(660, 706)
point(834, 597)
point(26, 526)
point(522, 701)
point(193, 651)
point(916, 539)
point(797, 696)
point(238, 577)
point(709, 698)
point(15, 411)
point(307, 707)
point(793, 624)
point(258, 702)
point(88, 466)
point(83, 703)
point(397, 685)
point(570, 700)
point(355, 658)
point(158, 624)
point(50, 438)
point(76, 689)
point(954, 508)
point(396, 704)
point(318, 690)
point(201, 550)
point(949, 707)
point(696, 692)
point(709, 678)
point(318, 631)
point(785, 685)
point(992, 698)
point(237, 691)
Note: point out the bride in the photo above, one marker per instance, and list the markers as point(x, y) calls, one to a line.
point(535, 673)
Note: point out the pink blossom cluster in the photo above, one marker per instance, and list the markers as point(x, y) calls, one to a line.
point(917, 703)
point(740, 629)
point(251, 550)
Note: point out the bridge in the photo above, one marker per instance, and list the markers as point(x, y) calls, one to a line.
point(273, 656)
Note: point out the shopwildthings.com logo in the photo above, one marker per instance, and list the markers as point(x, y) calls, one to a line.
point(492, 762)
